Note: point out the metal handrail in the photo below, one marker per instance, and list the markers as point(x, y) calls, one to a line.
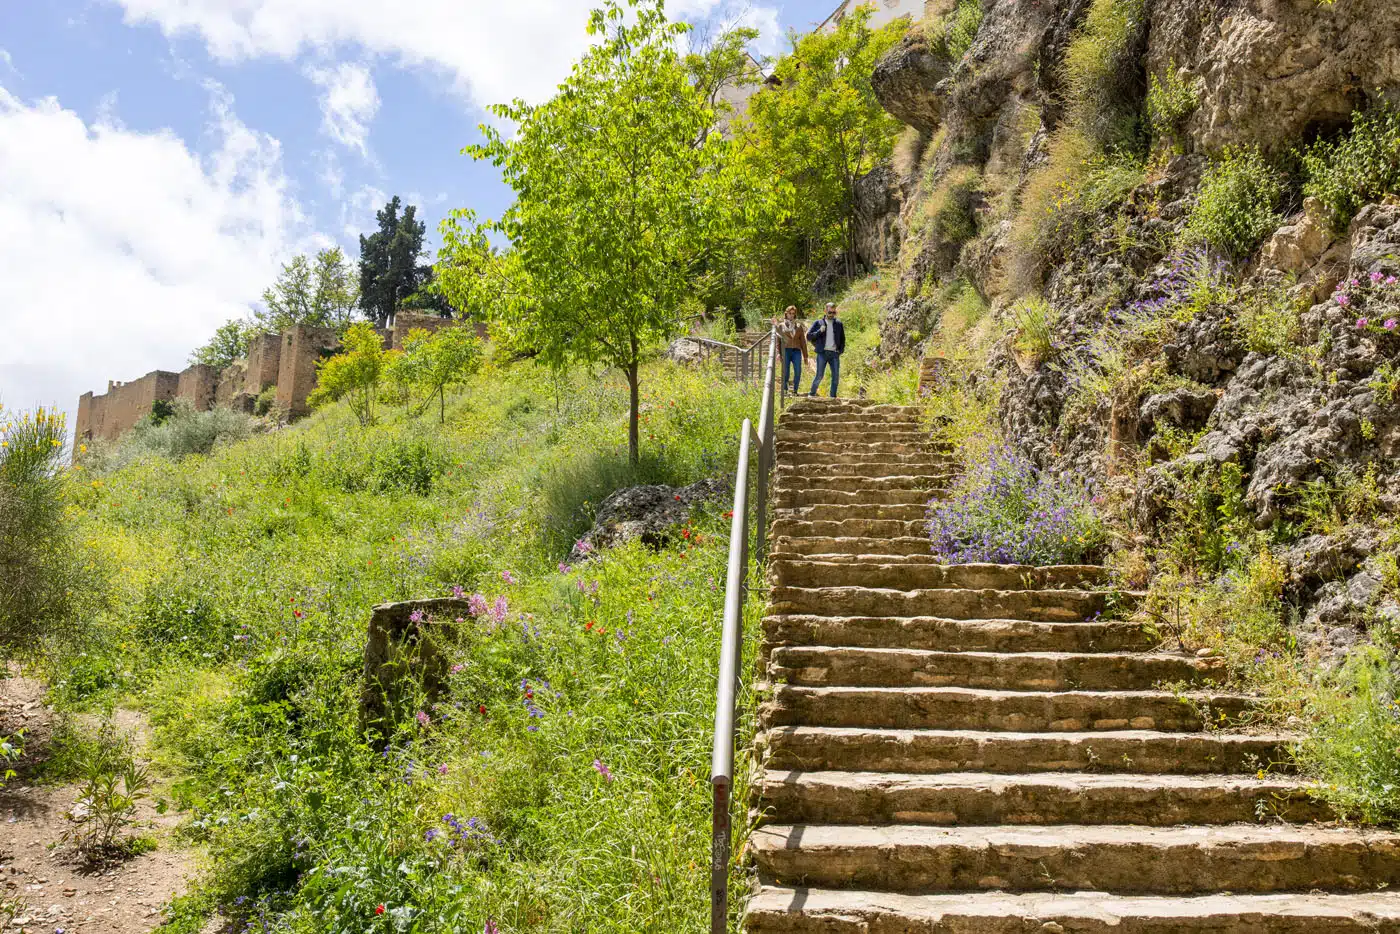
point(745, 368)
point(732, 644)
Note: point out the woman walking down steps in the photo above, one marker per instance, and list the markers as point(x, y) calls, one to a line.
point(973, 749)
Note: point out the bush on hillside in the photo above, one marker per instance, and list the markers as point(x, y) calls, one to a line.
point(1236, 206)
point(1104, 79)
point(185, 432)
point(1360, 167)
point(1007, 511)
point(1170, 103)
point(39, 566)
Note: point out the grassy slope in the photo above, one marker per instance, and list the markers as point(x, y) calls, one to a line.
point(241, 586)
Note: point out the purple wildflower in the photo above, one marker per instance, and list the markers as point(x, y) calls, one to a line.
point(476, 605)
point(498, 610)
point(416, 616)
point(1389, 324)
point(490, 928)
point(458, 592)
point(507, 577)
point(565, 568)
point(423, 719)
point(602, 769)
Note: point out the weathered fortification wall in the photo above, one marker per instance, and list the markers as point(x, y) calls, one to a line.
point(286, 361)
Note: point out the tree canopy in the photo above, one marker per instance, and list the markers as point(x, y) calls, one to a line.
point(616, 197)
point(390, 267)
point(319, 291)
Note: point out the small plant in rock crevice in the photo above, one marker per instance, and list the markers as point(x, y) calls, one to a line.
point(1007, 511)
point(1237, 204)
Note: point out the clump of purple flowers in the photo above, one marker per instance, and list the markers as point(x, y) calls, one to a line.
point(1007, 511)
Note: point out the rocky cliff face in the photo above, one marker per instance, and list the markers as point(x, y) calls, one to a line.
point(1281, 362)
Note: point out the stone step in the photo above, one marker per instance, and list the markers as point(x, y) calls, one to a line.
point(900, 575)
point(955, 708)
point(860, 433)
point(859, 495)
point(1049, 606)
point(842, 423)
point(1031, 671)
point(1109, 858)
point(827, 512)
point(778, 910)
point(853, 407)
point(922, 448)
point(816, 748)
point(848, 478)
point(878, 463)
point(986, 799)
point(956, 635)
point(851, 528)
point(828, 545)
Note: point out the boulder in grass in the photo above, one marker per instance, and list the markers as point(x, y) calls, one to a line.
point(646, 512)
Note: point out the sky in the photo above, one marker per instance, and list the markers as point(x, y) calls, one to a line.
point(160, 159)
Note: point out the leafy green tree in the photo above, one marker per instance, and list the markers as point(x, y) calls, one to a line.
point(319, 291)
point(614, 181)
point(355, 372)
point(229, 343)
point(432, 362)
point(390, 270)
point(807, 138)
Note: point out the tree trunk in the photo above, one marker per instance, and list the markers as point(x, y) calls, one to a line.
point(442, 404)
point(634, 455)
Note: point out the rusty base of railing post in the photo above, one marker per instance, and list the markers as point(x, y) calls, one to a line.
point(719, 861)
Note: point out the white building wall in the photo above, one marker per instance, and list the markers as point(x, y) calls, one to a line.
point(884, 12)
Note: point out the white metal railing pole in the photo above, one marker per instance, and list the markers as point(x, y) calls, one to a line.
point(726, 688)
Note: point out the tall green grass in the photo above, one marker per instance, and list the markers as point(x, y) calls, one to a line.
point(244, 579)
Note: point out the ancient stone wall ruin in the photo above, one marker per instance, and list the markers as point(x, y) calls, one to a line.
point(286, 361)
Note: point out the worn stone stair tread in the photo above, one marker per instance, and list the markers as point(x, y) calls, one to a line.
point(988, 798)
point(778, 909)
point(981, 708)
point(1112, 857)
point(949, 634)
point(930, 574)
point(1053, 605)
point(1041, 671)
point(851, 544)
point(826, 748)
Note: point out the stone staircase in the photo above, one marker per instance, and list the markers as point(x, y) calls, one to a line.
point(975, 749)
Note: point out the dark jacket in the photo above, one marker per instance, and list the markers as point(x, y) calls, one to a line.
point(818, 336)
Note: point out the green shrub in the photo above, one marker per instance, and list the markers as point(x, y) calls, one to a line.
point(1360, 167)
point(952, 36)
point(113, 783)
point(1352, 751)
point(1236, 205)
point(265, 401)
point(1034, 319)
point(1103, 76)
point(184, 432)
point(1170, 103)
point(408, 464)
point(40, 565)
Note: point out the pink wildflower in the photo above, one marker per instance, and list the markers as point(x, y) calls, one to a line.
point(458, 592)
point(508, 577)
point(476, 604)
point(1375, 278)
point(1343, 299)
point(602, 769)
point(490, 928)
point(457, 669)
point(564, 568)
point(498, 610)
point(1362, 322)
point(416, 616)
point(422, 718)
point(1389, 324)
point(442, 769)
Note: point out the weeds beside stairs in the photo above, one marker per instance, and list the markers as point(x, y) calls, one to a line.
point(982, 749)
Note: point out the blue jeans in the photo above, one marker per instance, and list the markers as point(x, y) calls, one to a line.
point(827, 358)
point(792, 359)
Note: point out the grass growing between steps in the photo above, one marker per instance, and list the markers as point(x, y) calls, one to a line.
point(562, 785)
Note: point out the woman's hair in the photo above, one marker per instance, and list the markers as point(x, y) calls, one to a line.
point(791, 308)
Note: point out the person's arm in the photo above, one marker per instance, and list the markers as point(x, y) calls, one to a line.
point(802, 336)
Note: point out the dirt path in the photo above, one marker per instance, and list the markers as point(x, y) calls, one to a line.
point(54, 893)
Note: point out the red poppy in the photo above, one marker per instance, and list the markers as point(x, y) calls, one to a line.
point(481, 708)
point(588, 625)
point(379, 910)
point(685, 533)
point(729, 514)
point(678, 497)
point(296, 613)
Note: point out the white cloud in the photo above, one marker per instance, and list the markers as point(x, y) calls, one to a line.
point(349, 101)
point(493, 52)
point(7, 61)
point(124, 250)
